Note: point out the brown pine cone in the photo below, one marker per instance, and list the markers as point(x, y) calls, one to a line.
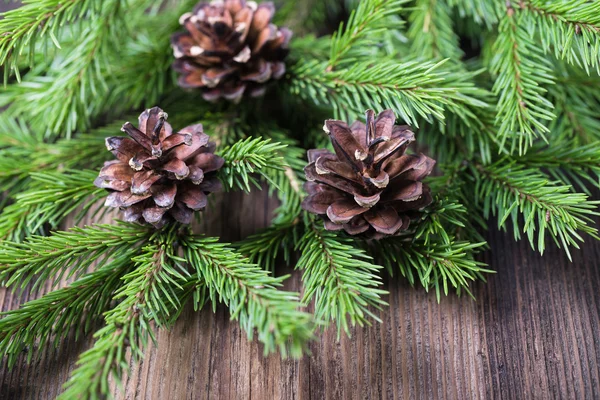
point(159, 174)
point(369, 186)
point(230, 48)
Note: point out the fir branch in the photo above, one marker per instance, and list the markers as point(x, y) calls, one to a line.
point(73, 78)
point(411, 88)
point(570, 27)
point(468, 128)
point(521, 68)
point(577, 102)
point(20, 28)
point(310, 47)
point(263, 248)
point(100, 79)
point(339, 278)
point(431, 31)
point(482, 11)
point(443, 221)
point(48, 199)
point(575, 166)
point(288, 182)
point(437, 264)
point(51, 318)
point(507, 189)
point(247, 157)
point(359, 36)
point(148, 295)
point(48, 258)
point(251, 295)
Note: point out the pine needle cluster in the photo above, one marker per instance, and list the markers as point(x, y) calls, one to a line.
point(504, 94)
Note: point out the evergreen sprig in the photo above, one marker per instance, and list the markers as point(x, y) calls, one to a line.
point(413, 89)
point(19, 29)
point(523, 111)
point(247, 157)
point(571, 29)
point(338, 277)
point(482, 11)
point(535, 205)
point(148, 295)
point(49, 319)
point(431, 31)
point(577, 167)
point(438, 263)
point(71, 77)
point(356, 39)
point(47, 200)
point(43, 259)
point(251, 294)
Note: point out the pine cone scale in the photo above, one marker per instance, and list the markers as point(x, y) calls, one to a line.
point(229, 48)
point(171, 183)
point(368, 185)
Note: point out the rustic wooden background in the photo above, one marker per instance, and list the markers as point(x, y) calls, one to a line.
point(533, 333)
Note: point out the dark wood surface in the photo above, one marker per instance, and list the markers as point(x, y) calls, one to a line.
point(533, 333)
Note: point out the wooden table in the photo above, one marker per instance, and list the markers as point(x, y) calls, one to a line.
point(534, 332)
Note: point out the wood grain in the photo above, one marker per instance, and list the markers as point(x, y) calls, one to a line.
point(533, 332)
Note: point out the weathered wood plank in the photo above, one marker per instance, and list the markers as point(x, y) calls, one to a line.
point(534, 332)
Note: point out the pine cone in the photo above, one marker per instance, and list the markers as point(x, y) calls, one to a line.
point(230, 48)
point(159, 174)
point(369, 186)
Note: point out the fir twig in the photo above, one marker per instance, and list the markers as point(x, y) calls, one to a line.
point(339, 278)
point(534, 204)
point(356, 39)
point(48, 258)
point(570, 28)
point(52, 317)
point(522, 70)
point(251, 295)
point(148, 295)
point(48, 199)
point(247, 157)
point(437, 264)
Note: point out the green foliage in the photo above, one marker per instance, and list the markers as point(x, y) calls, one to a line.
point(49, 319)
point(569, 28)
point(521, 70)
point(50, 258)
point(534, 204)
point(247, 157)
point(431, 31)
point(577, 102)
point(357, 38)
point(150, 293)
point(70, 77)
point(338, 277)
point(482, 11)
point(48, 199)
point(412, 89)
point(577, 167)
point(102, 66)
point(252, 296)
point(19, 29)
point(436, 264)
